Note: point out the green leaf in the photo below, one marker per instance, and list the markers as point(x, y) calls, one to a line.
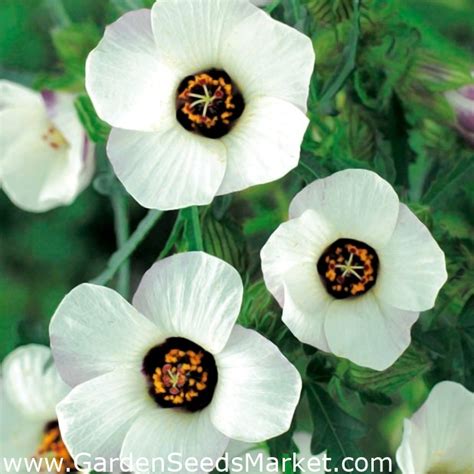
point(283, 446)
point(224, 238)
point(96, 129)
point(346, 66)
point(376, 386)
point(73, 43)
point(334, 430)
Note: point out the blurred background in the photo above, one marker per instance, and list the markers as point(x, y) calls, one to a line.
point(389, 114)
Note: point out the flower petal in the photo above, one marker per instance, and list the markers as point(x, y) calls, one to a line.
point(281, 65)
point(94, 331)
point(359, 203)
point(32, 382)
point(158, 433)
point(19, 435)
point(413, 268)
point(129, 84)
point(264, 145)
point(306, 305)
point(192, 295)
point(257, 390)
point(367, 331)
point(296, 242)
point(95, 417)
point(440, 434)
point(190, 33)
point(167, 170)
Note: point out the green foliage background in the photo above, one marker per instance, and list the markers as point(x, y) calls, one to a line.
point(372, 105)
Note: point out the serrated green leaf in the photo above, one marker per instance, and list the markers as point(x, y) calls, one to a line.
point(335, 431)
point(224, 239)
point(96, 129)
point(377, 385)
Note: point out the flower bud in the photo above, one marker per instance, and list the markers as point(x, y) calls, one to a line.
point(462, 101)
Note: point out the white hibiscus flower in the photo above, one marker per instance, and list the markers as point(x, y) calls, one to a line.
point(439, 437)
point(172, 373)
point(206, 97)
point(352, 268)
point(46, 158)
point(30, 389)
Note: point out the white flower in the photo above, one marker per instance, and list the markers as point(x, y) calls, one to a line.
point(206, 97)
point(46, 158)
point(172, 373)
point(30, 389)
point(309, 462)
point(352, 268)
point(439, 437)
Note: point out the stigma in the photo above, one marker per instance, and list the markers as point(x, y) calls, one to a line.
point(208, 103)
point(348, 268)
point(181, 374)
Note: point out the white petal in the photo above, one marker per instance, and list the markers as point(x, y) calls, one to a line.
point(32, 382)
point(190, 33)
point(19, 435)
point(359, 203)
point(128, 83)
point(306, 305)
point(443, 426)
point(96, 415)
point(264, 145)
point(192, 295)
point(257, 390)
point(412, 453)
point(367, 331)
point(296, 242)
point(167, 170)
point(159, 433)
point(94, 331)
point(13, 95)
point(412, 265)
point(281, 65)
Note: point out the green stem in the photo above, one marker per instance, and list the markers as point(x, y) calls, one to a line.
point(196, 226)
point(58, 12)
point(123, 253)
point(122, 231)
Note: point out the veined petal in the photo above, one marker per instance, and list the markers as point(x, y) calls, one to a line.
point(257, 390)
point(264, 145)
point(190, 33)
point(367, 331)
point(281, 65)
point(439, 437)
point(32, 382)
point(360, 204)
point(306, 305)
point(192, 295)
point(94, 330)
point(159, 433)
point(413, 268)
point(96, 415)
point(167, 170)
point(298, 241)
point(19, 434)
point(130, 85)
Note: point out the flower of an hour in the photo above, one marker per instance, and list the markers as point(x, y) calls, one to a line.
point(30, 390)
point(353, 268)
point(439, 437)
point(172, 373)
point(46, 158)
point(205, 97)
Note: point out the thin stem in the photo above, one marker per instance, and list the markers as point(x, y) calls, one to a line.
point(196, 225)
point(124, 252)
point(122, 231)
point(59, 13)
